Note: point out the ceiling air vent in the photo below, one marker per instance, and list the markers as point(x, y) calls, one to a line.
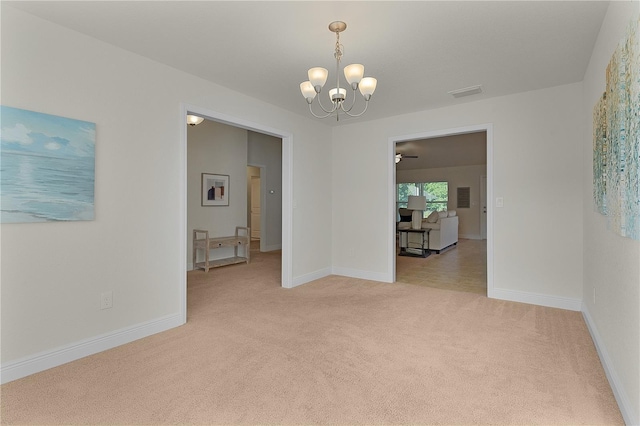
point(464, 197)
point(467, 91)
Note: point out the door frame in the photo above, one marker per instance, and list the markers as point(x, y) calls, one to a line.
point(263, 205)
point(287, 191)
point(391, 202)
point(483, 207)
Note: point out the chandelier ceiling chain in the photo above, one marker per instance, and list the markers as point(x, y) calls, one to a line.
point(354, 75)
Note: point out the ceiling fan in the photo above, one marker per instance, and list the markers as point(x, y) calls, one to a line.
point(399, 157)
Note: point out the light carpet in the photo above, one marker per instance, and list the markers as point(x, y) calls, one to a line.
point(334, 351)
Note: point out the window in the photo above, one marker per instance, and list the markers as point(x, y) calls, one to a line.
point(437, 194)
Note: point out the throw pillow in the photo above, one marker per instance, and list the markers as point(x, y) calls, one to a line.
point(404, 225)
point(433, 217)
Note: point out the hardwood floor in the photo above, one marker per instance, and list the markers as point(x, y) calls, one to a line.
point(461, 268)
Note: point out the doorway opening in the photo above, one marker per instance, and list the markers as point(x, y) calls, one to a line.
point(285, 191)
point(442, 156)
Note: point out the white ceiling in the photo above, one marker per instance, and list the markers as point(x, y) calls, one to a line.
point(418, 50)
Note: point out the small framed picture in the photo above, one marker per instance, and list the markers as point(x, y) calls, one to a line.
point(215, 190)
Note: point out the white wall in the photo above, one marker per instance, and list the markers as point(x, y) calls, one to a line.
point(611, 262)
point(266, 151)
point(220, 149)
point(538, 232)
point(464, 176)
point(53, 273)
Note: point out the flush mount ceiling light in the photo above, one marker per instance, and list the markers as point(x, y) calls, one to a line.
point(466, 91)
point(353, 73)
point(399, 157)
point(194, 120)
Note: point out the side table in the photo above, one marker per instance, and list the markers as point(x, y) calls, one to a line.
point(414, 248)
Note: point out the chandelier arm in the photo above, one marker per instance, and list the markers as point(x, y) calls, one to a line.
point(353, 102)
point(366, 105)
point(328, 113)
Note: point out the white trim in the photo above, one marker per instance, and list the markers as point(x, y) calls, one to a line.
point(312, 276)
point(391, 230)
point(364, 275)
point(264, 207)
point(287, 211)
point(537, 299)
point(393, 199)
point(182, 217)
point(469, 236)
point(45, 360)
point(621, 396)
point(489, 194)
point(287, 186)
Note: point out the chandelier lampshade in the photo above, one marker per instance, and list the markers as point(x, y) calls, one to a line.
point(337, 94)
point(368, 86)
point(354, 74)
point(308, 91)
point(318, 76)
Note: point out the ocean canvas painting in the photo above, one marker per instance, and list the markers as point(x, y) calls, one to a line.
point(47, 167)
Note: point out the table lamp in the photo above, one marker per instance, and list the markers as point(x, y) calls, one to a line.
point(417, 203)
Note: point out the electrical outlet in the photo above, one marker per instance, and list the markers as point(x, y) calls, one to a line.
point(106, 300)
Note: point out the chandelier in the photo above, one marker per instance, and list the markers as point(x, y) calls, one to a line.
point(353, 73)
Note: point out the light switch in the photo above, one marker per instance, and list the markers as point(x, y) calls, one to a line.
point(499, 202)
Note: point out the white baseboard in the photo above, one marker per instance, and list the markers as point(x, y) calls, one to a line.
point(312, 276)
point(48, 359)
point(536, 299)
point(470, 236)
point(345, 272)
point(630, 418)
point(273, 247)
point(364, 275)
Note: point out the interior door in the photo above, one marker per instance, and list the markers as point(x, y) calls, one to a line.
point(483, 207)
point(255, 207)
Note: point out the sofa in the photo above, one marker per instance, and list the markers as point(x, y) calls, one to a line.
point(444, 230)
